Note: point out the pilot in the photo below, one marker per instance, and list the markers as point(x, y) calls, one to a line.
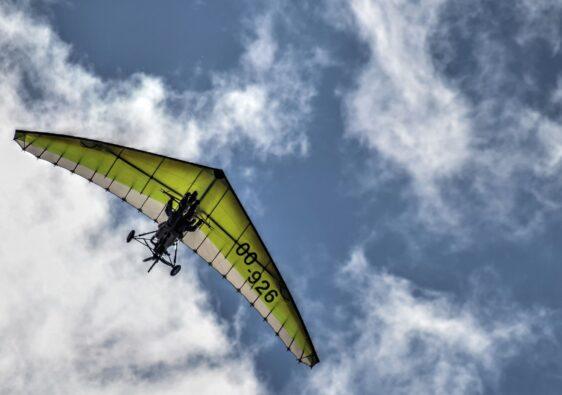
point(184, 202)
point(188, 222)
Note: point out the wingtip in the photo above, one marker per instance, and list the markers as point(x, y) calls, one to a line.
point(18, 133)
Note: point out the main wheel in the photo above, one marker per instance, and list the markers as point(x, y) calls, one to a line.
point(130, 236)
point(175, 270)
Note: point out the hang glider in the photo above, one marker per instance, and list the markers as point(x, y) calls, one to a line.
point(212, 221)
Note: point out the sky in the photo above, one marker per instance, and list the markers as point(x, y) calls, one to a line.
point(401, 160)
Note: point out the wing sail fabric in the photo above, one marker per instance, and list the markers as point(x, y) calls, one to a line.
point(227, 241)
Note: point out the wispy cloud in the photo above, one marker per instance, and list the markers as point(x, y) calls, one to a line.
point(447, 99)
point(401, 107)
point(264, 101)
point(404, 339)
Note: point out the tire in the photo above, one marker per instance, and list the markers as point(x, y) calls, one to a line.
point(130, 236)
point(175, 270)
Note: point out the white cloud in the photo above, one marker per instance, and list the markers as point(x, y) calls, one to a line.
point(261, 50)
point(401, 107)
point(407, 340)
point(261, 102)
point(78, 312)
point(466, 158)
point(421, 124)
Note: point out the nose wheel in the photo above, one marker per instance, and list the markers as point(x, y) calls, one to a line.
point(158, 250)
point(175, 270)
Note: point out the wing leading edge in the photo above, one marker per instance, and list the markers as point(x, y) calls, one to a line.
point(228, 241)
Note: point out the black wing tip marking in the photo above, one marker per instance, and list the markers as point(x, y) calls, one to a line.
point(219, 174)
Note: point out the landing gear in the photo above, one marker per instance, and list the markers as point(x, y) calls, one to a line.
point(175, 270)
point(184, 216)
point(158, 250)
